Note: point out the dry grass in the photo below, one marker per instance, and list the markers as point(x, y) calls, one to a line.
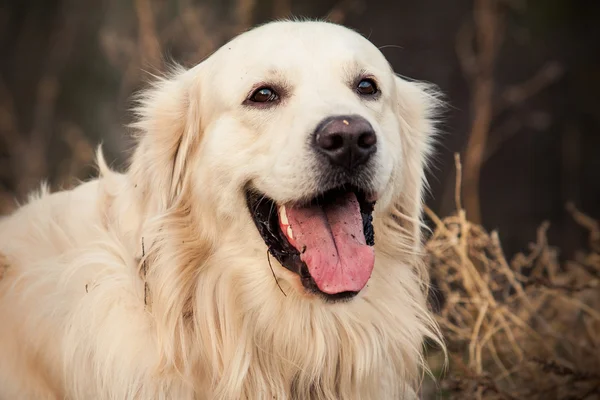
point(524, 328)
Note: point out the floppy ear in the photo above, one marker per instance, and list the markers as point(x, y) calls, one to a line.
point(168, 124)
point(169, 127)
point(417, 107)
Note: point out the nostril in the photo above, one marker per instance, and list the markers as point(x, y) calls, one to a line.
point(330, 141)
point(367, 140)
point(346, 141)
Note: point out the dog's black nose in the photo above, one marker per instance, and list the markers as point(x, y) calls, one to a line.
point(347, 141)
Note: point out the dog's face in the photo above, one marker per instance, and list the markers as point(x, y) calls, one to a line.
point(304, 126)
point(284, 90)
point(305, 107)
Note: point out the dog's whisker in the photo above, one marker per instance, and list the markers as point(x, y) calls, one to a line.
point(271, 209)
point(273, 272)
point(393, 46)
point(260, 200)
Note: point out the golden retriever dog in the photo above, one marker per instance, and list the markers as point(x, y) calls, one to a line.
point(263, 243)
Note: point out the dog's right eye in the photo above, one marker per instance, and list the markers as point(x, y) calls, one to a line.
point(263, 95)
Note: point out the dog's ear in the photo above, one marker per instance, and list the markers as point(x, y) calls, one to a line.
point(168, 125)
point(417, 108)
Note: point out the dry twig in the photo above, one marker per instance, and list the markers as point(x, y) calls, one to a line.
point(500, 316)
point(478, 65)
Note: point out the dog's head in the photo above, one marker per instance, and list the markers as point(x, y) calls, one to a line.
point(299, 136)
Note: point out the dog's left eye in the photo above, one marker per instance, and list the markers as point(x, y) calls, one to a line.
point(367, 87)
point(264, 95)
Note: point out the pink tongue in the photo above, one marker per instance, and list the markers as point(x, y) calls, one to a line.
point(331, 242)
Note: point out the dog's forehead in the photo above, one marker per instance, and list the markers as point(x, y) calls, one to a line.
point(305, 45)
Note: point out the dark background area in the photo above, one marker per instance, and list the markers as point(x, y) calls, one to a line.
point(521, 78)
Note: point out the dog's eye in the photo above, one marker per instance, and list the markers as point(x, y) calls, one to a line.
point(366, 87)
point(264, 95)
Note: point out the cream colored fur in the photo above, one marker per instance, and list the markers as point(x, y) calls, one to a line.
point(155, 284)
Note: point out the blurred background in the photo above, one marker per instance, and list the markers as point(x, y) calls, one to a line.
point(521, 78)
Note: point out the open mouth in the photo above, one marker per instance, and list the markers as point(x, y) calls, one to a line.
point(328, 241)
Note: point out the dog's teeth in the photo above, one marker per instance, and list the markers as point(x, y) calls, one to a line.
point(283, 216)
point(290, 234)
